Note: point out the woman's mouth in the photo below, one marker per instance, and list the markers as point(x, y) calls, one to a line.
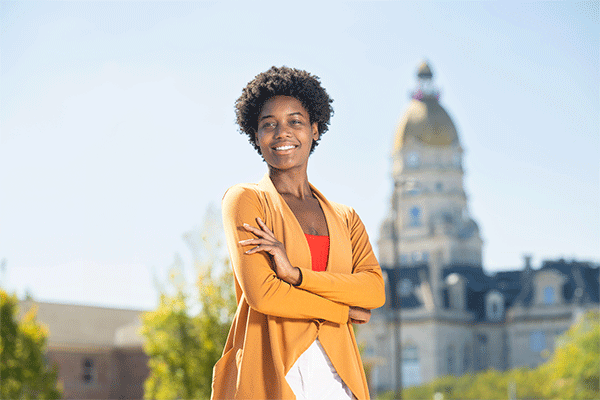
point(284, 148)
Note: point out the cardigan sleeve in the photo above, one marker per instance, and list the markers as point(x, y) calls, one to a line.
point(261, 287)
point(364, 287)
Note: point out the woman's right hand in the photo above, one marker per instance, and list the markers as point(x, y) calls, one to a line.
point(266, 241)
point(357, 315)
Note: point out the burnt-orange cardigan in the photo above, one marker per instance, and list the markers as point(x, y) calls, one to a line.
point(276, 322)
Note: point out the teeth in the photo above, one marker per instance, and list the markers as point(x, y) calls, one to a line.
point(284, 148)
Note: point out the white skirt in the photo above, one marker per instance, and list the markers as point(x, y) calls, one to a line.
point(313, 377)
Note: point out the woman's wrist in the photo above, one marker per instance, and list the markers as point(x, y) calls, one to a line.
point(297, 277)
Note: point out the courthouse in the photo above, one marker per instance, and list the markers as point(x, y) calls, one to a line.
point(444, 313)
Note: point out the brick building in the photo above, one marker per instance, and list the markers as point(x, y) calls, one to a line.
point(97, 350)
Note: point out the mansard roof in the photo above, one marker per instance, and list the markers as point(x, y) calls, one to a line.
point(578, 274)
point(518, 286)
point(415, 274)
point(515, 286)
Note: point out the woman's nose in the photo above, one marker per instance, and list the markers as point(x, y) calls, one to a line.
point(281, 131)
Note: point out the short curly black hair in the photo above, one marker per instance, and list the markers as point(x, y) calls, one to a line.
point(283, 81)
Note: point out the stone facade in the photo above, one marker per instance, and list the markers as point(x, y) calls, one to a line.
point(454, 318)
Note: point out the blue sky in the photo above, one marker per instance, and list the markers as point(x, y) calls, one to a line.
point(117, 125)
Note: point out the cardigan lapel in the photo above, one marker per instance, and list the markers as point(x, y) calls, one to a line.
point(285, 225)
point(287, 229)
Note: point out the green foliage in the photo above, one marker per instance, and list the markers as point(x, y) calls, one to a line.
point(571, 372)
point(23, 370)
point(183, 345)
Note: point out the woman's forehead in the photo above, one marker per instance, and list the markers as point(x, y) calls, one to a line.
point(282, 105)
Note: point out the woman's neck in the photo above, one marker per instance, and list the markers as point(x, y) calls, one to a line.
point(294, 183)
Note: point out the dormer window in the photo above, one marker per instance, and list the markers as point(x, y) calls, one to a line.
point(549, 295)
point(494, 305)
point(547, 287)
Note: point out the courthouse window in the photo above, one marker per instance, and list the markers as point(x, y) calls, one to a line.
point(415, 216)
point(88, 370)
point(537, 341)
point(549, 297)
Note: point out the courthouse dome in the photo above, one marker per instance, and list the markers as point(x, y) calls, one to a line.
point(425, 120)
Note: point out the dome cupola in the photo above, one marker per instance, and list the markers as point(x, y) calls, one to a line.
point(425, 120)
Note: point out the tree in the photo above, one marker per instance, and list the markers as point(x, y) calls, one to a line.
point(23, 370)
point(185, 335)
point(573, 371)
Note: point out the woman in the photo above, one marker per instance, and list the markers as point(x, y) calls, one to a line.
point(304, 268)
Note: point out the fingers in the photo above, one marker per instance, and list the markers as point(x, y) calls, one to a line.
point(254, 230)
point(264, 226)
point(264, 230)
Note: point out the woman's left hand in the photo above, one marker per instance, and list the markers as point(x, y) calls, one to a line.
point(267, 242)
point(358, 315)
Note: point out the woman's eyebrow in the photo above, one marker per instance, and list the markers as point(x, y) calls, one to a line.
point(272, 116)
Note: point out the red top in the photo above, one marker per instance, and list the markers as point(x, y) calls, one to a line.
point(319, 251)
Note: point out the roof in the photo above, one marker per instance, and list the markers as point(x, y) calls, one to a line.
point(426, 121)
point(424, 70)
point(515, 286)
point(414, 274)
point(79, 325)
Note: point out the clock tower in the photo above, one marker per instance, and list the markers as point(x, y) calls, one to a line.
point(429, 221)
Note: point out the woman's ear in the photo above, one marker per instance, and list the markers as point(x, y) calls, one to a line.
point(315, 129)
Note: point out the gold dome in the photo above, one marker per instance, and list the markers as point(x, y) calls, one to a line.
point(426, 121)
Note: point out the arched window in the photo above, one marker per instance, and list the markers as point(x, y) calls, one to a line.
point(466, 364)
point(549, 295)
point(411, 369)
point(450, 359)
point(482, 352)
point(89, 374)
point(494, 305)
point(415, 216)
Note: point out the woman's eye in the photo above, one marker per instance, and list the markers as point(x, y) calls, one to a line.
point(295, 122)
point(268, 125)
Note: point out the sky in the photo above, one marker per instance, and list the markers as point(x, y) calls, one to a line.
point(117, 125)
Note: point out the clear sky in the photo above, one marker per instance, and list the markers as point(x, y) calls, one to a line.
point(117, 125)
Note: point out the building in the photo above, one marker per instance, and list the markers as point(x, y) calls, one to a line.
point(97, 350)
point(454, 317)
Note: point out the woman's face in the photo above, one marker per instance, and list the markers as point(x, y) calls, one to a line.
point(285, 134)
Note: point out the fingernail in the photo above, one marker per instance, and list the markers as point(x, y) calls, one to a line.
point(246, 225)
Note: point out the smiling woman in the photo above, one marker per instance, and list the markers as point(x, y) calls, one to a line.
point(285, 134)
point(304, 268)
